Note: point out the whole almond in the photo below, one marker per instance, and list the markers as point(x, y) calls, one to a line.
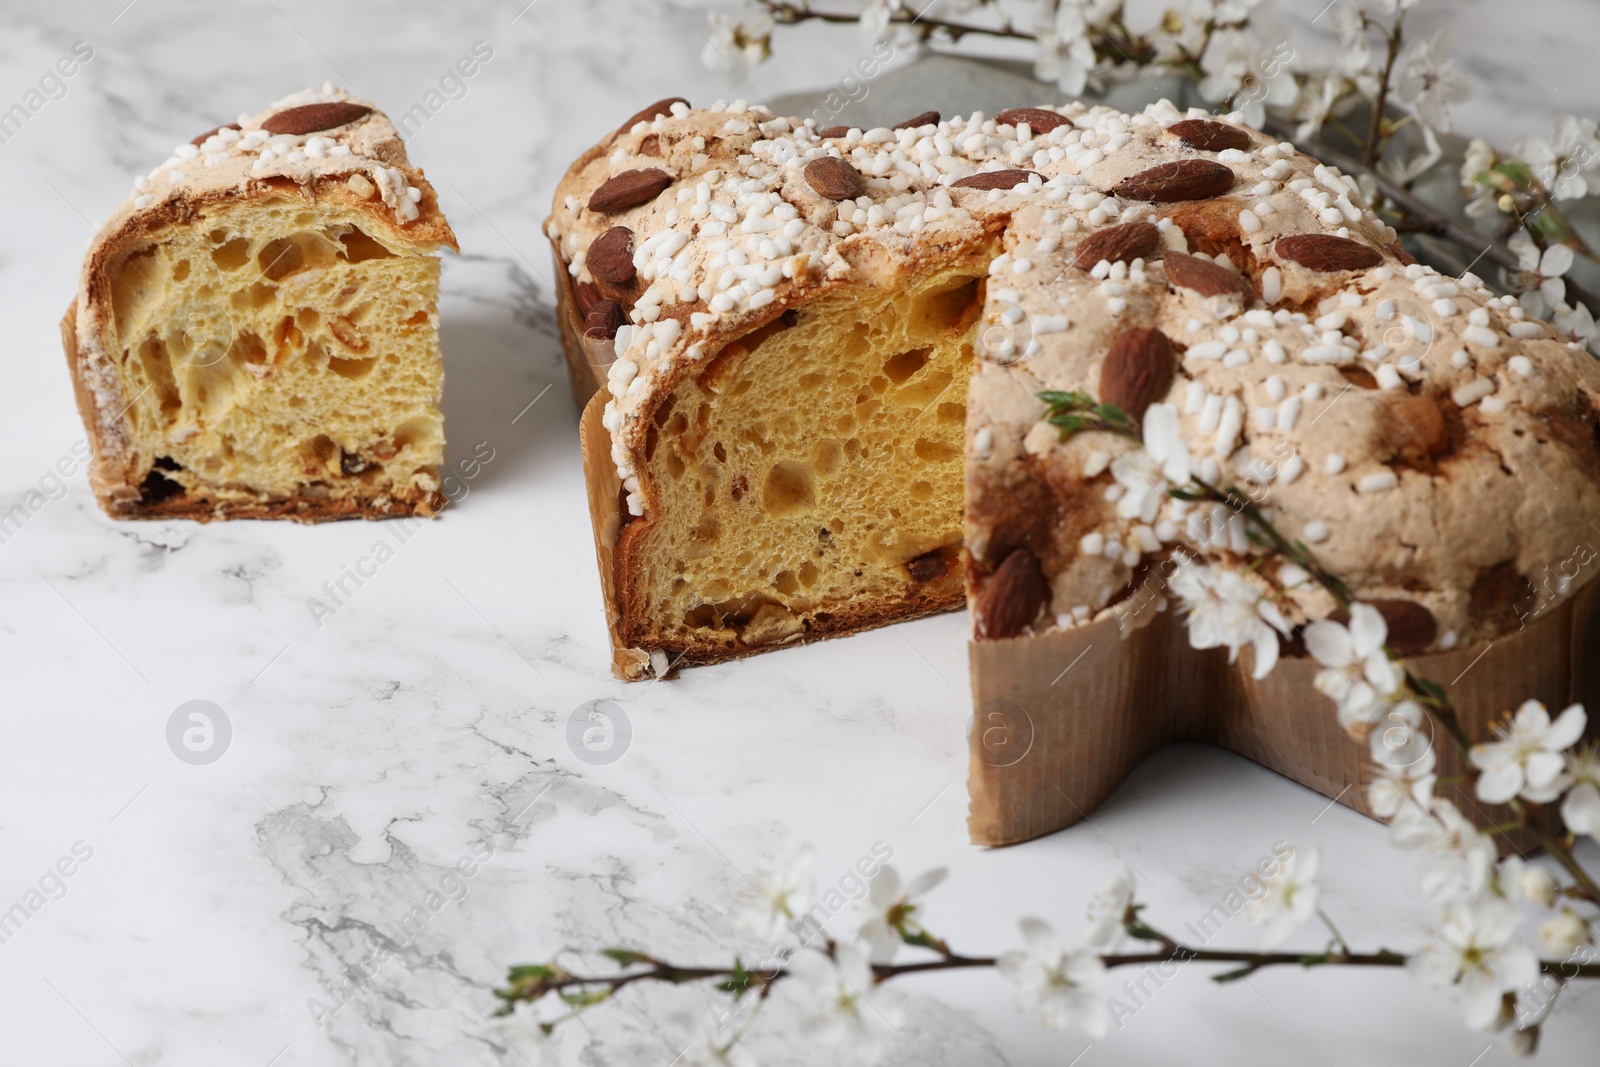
point(610, 257)
point(1182, 179)
point(828, 132)
point(1122, 243)
point(927, 118)
point(1325, 252)
point(1209, 136)
point(1412, 627)
point(994, 179)
point(218, 129)
point(833, 178)
point(1038, 119)
point(309, 118)
point(585, 296)
point(1415, 431)
point(1138, 371)
point(629, 189)
point(1205, 277)
point(1012, 597)
point(654, 111)
point(604, 320)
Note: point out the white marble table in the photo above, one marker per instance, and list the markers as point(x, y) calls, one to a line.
point(426, 721)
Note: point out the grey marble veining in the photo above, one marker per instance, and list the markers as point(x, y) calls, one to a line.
point(231, 913)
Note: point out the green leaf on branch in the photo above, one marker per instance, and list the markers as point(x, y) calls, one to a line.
point(626, 957)
point(922, 939)
point(1233, 976)
point(1139, 931)
point(738, 983)
point(1432, 690)
point(1516, 171)
point(586, 998)
point(1073, 412)
point(532, 971)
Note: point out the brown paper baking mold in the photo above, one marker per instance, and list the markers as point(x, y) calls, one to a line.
point(1062, 718)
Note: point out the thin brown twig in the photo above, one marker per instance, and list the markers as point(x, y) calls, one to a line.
point(1249, 962)
point(1371, 149)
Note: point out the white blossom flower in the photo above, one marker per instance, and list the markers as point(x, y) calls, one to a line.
point(1534, 883)
point(1581, 808)
point(892, 905)
point(1250, 73)
point(1428, 81)
point(712, 1042)
point(1539, 276)
point(1563, 162)
point(734, 42)
point(1357, 673)
point(1477, 956)
point(777, 896)
point(875, 18)
point(1290, 899)
point(1527, 758)
point(1108, 912)
point(1405, 772)
point(1317, 98)
point(1226, 610)
point(1146, 474)
point(842, 1001)
point(1355, 48)
point(1563, 935)
point(1457, 856)
point(1062, 987)
point(1401, 169)
point(1578, 324)
point(1222, 12)
point(1065, 54)
point(1392, 7)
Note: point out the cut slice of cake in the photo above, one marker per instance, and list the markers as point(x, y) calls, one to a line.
point(256, 330)
point(789, 403)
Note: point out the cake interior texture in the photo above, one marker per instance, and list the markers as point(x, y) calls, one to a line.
point(275, 350)
point(810, 474)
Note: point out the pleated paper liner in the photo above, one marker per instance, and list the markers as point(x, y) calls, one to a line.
point(588, 361)
point(1061, 719)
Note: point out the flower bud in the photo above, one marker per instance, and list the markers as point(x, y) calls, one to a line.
point(1538, 887)
point(1561, 936)
point(1523, 1043)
